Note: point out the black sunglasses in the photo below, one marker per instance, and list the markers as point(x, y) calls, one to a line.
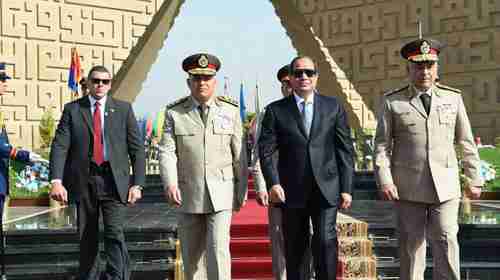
point(98, 81)
point(298, 73)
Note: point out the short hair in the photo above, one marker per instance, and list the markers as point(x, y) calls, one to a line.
point(98, 68)
point(292, 64)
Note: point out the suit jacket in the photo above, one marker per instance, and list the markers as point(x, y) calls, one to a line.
point(416, 152)
point(71, 151)
point(209, 165)
point(327, 151)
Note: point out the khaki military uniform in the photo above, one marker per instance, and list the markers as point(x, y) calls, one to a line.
point(416, 152)
point(208, 164)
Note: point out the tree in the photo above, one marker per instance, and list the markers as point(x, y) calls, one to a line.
point(47, 128)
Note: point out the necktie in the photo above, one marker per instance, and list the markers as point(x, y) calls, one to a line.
point(426, 100)
point(307, 115)
point(203, 113)
point(98, 154)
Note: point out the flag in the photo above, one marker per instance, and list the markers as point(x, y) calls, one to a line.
point(160, 119)
point(257, 99)
point(74, 71)
point(242, 104)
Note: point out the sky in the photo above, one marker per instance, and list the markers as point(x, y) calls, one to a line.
point(248, 38)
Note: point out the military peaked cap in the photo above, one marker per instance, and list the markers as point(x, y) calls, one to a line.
point(283, 72)
point(422, 50)
point(201, 64)
point(3, 74)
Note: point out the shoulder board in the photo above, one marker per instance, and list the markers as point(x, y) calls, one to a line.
point(441, 86)
point(396, 90)
point(177, 102)
point(228, 99)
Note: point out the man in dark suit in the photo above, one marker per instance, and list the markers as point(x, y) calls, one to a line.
point(314, 172)
point(95, 140)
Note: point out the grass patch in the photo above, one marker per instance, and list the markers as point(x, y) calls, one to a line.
point(492, 156)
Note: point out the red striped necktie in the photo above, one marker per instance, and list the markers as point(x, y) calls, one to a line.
point(98, 143)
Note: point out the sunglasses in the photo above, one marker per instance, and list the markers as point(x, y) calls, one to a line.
point(298, 73)
point(98, 81)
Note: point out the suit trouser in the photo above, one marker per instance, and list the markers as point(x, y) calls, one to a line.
point(296, 224)
point(102, 196)
point(275, 215)
point(205, 245)
point(437, 223)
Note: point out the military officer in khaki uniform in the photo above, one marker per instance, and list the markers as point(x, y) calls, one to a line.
point(203, 169)
point(416, 164)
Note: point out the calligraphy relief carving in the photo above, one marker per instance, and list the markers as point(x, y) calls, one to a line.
point(365, 37)
point(36, 40)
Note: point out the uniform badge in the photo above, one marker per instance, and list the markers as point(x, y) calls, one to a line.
point(425, 48)
point(203, 61)
point(225, 121)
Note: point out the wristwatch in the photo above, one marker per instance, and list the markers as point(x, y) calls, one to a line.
point(139, 187)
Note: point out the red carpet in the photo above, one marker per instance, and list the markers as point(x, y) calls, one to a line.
point(251, 254)
point(250, 245)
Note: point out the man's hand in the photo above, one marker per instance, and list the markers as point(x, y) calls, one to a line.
point(173, 195)
point(58, 192)
point(389, 192)
point(262, 198)
point(134, 194)
point(345, 200)
point(237, 209)
point(276, 194)
point(473, 192)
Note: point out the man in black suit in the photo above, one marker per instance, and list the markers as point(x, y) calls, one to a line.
point(96, 138)
point(314, 172)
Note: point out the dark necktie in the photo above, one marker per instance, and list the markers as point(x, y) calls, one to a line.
point(426, 100)
point(203, 113)
point(98, 154)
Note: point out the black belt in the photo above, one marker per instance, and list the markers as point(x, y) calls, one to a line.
point(104, 168)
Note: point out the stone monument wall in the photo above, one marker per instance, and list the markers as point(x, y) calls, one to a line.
point(355, 42)
point(35, 41)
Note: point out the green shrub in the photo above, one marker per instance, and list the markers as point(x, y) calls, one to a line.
point(15, 192)
point(492, 156)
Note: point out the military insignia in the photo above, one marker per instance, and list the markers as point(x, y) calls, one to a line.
point(228, 99)
point(425, 48)
point(177, 102)
point(441, 86)
point(226, 122)
point(396, 90)
point(203, 61)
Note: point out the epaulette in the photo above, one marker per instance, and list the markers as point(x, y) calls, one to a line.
point(396, 90)
point(228, 99)
point(456, 90)
point(177, 102)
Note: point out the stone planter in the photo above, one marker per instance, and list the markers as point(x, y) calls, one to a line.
point(29, 202)
point(489, 195)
